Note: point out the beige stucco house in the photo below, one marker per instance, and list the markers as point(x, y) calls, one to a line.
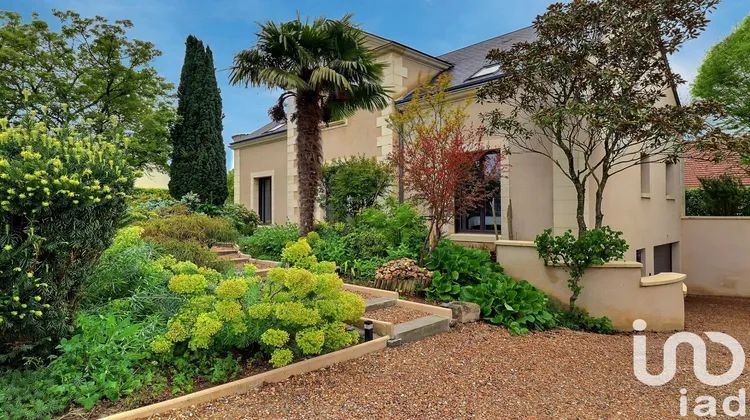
point(643, 202)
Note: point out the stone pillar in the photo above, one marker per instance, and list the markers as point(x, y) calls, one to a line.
point(292, 183)
point(237, 175)
point(394, 75)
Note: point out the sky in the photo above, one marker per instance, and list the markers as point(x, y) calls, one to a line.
point(432, 26)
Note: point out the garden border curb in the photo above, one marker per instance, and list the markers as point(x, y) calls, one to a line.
point(246, 384)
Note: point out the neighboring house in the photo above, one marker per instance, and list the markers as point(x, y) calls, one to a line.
point(645, 202)
point(698, 167)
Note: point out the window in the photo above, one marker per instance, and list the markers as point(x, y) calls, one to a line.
point(645, 177)
point(671, 180)
point(486, 71)
point(487, 216)
point(264, 199)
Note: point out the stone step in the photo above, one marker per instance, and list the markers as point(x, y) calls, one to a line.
point(238, 259)
point(224, 251)
point(232, 256)
point(420, 328)
point(373, 304)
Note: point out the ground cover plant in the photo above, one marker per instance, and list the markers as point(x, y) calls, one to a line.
point(164, 326)
point(468, 274)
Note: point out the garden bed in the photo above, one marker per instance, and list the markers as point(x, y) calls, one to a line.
point(246, 384)
point(396, 314)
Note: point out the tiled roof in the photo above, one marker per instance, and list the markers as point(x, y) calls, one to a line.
point(699, 166)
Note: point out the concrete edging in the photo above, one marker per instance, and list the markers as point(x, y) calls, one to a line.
point(370, 290)
point(246, 384)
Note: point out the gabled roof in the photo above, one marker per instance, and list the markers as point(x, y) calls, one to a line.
point(468, 60)
point(698, 166)
point(461, 64)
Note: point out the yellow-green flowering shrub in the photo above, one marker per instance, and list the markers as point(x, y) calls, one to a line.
point(67, 189)
point(293, 312)
point(216, 306)
point(308, 302)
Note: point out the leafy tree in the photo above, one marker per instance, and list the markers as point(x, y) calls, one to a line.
point(721, 196)
point(91, 71)
point(198, 157)
point(588, 92)
point(328, 70)
point(438, 156)
point(724, 76)
point(230, 185)
point(351, 185)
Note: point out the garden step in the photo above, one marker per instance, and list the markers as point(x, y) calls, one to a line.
point(379, 303)
point(238, 259)
point(420, 328)
point(224, 251)
point(231, 256)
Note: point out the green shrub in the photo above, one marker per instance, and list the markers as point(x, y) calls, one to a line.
point(195, 252)
point(268, 241)
point(243, 219)
point(470, 265)
point(402, 226)
point(64, 191)
point(376, 236)
point(579, 320)
point(198, 228)
point(142, 195)
point(457, 266)
point(516, 305)
point(125, 267)
point(293, 312)
point(594, 247)
point(349, 186)
point(722, 196)
point(443, 287)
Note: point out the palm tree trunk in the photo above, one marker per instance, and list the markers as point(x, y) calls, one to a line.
point(309, 158)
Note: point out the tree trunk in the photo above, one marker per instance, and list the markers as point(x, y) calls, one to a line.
point(580, 208)
point(599, 198)
point(309, 158)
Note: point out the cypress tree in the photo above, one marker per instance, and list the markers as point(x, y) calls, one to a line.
point(198, 157)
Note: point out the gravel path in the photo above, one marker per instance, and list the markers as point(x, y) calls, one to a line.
point(395, 314)
point(480, 371)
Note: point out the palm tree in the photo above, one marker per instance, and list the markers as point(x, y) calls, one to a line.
point(327, 69)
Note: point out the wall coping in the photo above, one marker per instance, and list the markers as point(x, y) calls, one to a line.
point(716, 218)
point(611, 264)
point(473, 237)
point(508, 242)
point(662, 279)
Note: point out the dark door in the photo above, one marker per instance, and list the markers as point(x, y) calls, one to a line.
point(663, 258)
point(264, 199)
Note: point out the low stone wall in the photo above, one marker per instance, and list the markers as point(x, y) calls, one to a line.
point(715, 255)
point(613, 290)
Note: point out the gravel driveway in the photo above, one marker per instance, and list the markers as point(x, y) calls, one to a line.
point(480, 371)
